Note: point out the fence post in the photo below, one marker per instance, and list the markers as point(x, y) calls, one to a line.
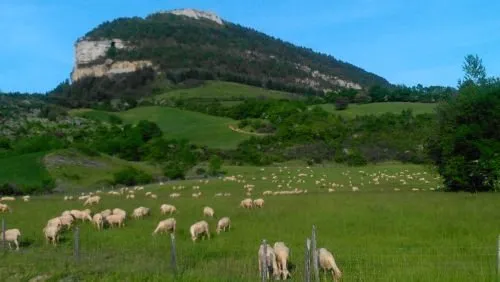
point(307, 261)
point(314, 257)
point(173, 255)
point(76, 250)
point(498, 258)
point(4, 243)
point(264, 271)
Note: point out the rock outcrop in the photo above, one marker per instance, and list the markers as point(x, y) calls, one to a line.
point(196, 14)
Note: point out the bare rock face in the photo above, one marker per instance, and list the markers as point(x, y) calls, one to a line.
point(87, 52)
point(196, 14)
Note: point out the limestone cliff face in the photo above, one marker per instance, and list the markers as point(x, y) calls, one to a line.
point(88, 52)
point(196, 14)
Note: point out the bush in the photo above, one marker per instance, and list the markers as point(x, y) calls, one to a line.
point(355, 158)
point(131, 176)
point(214, 165)
point(201, 171)
point(174, 170)
point(341, 103)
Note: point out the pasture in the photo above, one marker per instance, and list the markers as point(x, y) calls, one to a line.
point(381, 108)
point(386, 231)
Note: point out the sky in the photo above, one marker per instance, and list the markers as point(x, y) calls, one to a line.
point(405, 41)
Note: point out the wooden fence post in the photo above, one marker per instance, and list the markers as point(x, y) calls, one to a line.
point(76, 247)
point(307, 261)
point(264, 271)
point(314, 257)
point(173, 255)
point(4, 243)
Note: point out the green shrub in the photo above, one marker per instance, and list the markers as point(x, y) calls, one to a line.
point(131, 176)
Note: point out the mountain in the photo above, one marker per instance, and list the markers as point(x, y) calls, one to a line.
point(182, 44)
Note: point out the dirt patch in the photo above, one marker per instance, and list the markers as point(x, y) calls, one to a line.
point(235, 129)
point(72, 160)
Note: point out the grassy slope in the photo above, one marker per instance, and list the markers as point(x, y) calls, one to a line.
point(92, 114)
point(25, 169)
point(77, 171)
point(198, 128)
point(380, 108)
point(226, 90)
point(375, 235)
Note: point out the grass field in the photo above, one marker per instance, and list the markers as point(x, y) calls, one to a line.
point(92, 114)
point(376, 234)
point(77, 172)
point(380, 108)
point(226, 91)
point(25, 169)
point(198, 128)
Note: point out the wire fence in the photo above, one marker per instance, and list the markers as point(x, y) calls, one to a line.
point(168, 259)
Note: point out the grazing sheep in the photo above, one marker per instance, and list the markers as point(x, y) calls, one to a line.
point(12, 236)
point(175, 195)
point(117, 219)
point(259, 203)
point(83, 215)
point(198, 229)
point(208, 211)
point(51, 234)
point(120, 212)
point(106, 212)
point(223, 223)
point(246, 203)
point(282, 253)
point(65, 213)
point(327, 263)
point(54, 222)
point(270, 261)
point(4, 208)
point(140, 212)
point(153, 196)
point(98, 221)
point(67, 220)
point(165, 226)
point(92, 200)
point(6, 198)
point(165, 208)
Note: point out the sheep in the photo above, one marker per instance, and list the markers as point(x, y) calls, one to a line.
point(6, 198)
point(165, 208)
point(51, 234)
point(246, 203)
point(198, 229)
point(65, 213)
point(117, 219)
point(54, 222)
point(120, 212)
point(4, 208)
point(175, 195)
point(282, 253)
point(327, 263)
point(208, 211)
point(12, 236)
point(270, 261)
point(105, 213)
point(140, 212)
point(259, 203)
point(83, 215)
point(98, 221)
point(92, 200)
point(223, 223)
point(67, 220)
point(153, 196)
point(165, 226)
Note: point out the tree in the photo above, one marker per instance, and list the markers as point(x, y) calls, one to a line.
point(474, 70)
point(341, 103)
point(466, 144)
point(214, 165)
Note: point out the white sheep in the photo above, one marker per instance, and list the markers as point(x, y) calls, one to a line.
point(140, 212)
point(54, 222)
point(83, 215)
point(117, 219)
point(67, 220)
point(98, 221)
point(208, 211)
point(246, 203)
point(65, 213)
point(12, 236)
point(259, 203)
point(120, 212)
point(4, 208)
point(165, 226)
point(51, 234)
point(327, 263)
point(268, 258)
point(165, 208)
point(223, 223)
point(282, 253)
point(198, 229)
point(92, 200)
point(106, 212)
point(7, 198)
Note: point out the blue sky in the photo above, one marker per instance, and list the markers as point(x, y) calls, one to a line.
point(409, 42)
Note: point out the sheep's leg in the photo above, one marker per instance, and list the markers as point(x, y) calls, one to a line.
point(17, 245)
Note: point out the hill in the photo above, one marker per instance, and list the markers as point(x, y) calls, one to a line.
point(381, 108)
point(198, 128)
point(127, 56)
